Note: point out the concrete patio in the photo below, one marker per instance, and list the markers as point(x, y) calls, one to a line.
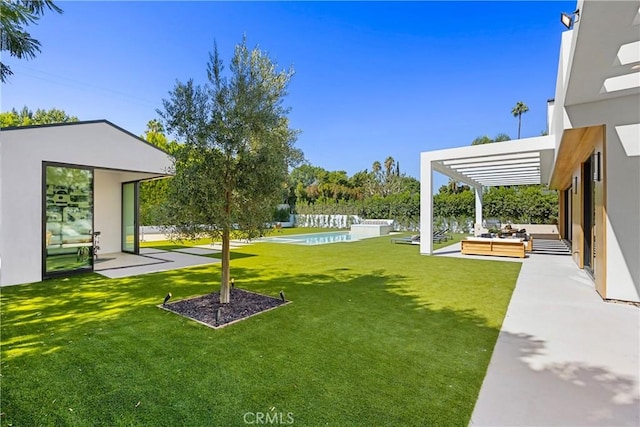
point(118, 265)
point(152, 260)
point(556, 361)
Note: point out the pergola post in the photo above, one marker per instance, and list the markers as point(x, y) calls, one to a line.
point(478, 207)
point(426, 205)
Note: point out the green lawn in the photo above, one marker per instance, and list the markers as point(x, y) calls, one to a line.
point(376, 335)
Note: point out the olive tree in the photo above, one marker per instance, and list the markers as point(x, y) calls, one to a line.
point(236, 151)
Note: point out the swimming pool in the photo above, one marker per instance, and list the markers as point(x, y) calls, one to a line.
point(313, 239)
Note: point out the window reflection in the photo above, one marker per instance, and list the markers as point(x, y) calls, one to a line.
point(69, 219)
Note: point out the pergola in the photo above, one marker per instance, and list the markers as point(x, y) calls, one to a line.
point(518, 162)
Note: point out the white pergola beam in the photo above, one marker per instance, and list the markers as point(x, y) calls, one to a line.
point(496, 174)
point(501, 157)
point(501, 183)
point(499, 168)
point(452, 173)
point(495, 163)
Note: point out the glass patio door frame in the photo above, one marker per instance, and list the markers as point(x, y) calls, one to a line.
point(46, 274)
point(588, 217)
point(130, 219)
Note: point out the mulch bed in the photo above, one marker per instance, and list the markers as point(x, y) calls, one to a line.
point(206, 308)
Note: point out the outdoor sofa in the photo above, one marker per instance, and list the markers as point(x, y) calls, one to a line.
point(506, 247)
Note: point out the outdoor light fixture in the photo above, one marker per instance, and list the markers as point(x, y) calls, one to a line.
point(596, 167)
point(233, 283)
point(575, 185)
point(217, 316)
point(166, 298)
point(282, 296)
point(568, 19)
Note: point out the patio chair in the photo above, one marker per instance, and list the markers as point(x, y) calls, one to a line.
point(439, 236)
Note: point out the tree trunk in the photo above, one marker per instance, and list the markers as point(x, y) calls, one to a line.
point(225, 289)
point(519, 124)
point(224, 285)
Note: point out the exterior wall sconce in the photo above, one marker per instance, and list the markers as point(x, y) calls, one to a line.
point(597, 175)
point(575, 185)
point(568, 19)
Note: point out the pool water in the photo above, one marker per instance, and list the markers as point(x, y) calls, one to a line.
point(313, 239)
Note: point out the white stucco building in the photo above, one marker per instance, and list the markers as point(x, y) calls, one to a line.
point(591, 155)
point(61, 183)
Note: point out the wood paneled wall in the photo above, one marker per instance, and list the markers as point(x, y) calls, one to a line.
point(576, 148)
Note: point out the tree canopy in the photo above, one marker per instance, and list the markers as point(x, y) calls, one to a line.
point(15, 16)
point(153, 194)
point(27, 117)
point(236, 150)
point(383, 192)
point(486, 140)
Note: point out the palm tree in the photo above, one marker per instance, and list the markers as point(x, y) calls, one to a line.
point(517, 111)
point(388, 165)
point(452, 186)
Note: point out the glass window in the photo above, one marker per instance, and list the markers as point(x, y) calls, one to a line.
point(68, 234)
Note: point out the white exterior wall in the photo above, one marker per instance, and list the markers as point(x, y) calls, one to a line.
point(108, 207)
point(21, 244)
point(559, 119)
point(107, 210)
point(22, 153)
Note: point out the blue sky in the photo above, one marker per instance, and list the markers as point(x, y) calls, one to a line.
point(372, 79)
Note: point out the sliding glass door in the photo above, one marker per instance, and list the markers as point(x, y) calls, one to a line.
point(68, 219)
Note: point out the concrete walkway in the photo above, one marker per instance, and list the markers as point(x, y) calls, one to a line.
point(124, 265)
point(563, 357)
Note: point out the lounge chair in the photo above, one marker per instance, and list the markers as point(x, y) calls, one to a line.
point(411, 240)
point(440, 236)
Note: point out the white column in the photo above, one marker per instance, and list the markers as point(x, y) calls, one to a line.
point(478, 206)
point(426, 205)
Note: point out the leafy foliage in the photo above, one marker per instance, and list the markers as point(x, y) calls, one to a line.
point(520, 204)
point(27, 117)
point(153, 194)
point(382, 193)
point(486, 140)
point(15, 15)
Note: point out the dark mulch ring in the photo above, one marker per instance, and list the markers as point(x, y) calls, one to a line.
point(208, 310)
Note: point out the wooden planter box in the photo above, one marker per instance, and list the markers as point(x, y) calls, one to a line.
point(494, 247)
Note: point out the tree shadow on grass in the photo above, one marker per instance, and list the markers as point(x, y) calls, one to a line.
point(350, 350)
point(339, 323)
